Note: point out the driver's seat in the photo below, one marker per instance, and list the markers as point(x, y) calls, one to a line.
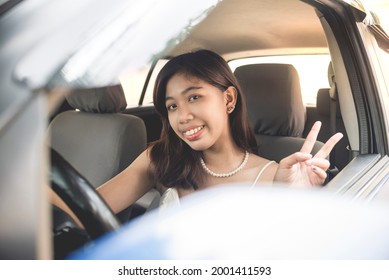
point(96, 138)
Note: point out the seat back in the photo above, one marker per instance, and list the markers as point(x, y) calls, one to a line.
point(275, 108)
point(96, 138)
point(328, 112)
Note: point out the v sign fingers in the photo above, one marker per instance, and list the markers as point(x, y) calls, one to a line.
point(329, 145)
point(311, 138)
point(301, 169)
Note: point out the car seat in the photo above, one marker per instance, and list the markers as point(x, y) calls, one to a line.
point(96, 138)
point(275, 108)
point(328, 112)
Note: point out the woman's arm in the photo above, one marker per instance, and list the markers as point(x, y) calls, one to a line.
point(57, 201)
point(121, 191)
point(128, 186)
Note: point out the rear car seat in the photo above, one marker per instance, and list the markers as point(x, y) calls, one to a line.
point(328, 112)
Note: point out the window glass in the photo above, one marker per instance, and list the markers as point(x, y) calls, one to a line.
point(312, 70)
point(150, 86)
point(133, 84)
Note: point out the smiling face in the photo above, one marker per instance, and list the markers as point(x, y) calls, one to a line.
point(197, 111)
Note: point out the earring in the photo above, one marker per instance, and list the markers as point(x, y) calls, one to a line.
point(230, 109)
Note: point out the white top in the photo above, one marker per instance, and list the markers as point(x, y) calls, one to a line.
point(171, 197)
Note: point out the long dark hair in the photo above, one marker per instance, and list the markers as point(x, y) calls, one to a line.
point(174, 163)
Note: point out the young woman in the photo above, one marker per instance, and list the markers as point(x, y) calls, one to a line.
point(206, 139)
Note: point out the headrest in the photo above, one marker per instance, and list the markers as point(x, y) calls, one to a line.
point(331, 74)
point(273, 96)
point(324, 96)
point(323, 103)
point(108, 99)
point(332, 82)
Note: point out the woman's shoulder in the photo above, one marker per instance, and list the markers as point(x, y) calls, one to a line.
point(257, 161)
point(265, 168)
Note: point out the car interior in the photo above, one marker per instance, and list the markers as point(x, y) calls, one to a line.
point(98, 132)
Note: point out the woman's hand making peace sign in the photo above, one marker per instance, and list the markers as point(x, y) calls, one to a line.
point(303, 169)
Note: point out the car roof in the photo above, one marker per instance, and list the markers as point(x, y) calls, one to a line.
point(268, 27)
point(227, 32)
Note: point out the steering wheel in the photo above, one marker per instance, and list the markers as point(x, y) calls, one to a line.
point(81, 197)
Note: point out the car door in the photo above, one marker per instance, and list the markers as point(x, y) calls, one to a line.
point(355, 51)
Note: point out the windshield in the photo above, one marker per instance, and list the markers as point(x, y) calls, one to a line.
point(93, 52)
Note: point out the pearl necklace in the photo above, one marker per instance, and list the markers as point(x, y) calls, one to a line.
point(223, 175)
